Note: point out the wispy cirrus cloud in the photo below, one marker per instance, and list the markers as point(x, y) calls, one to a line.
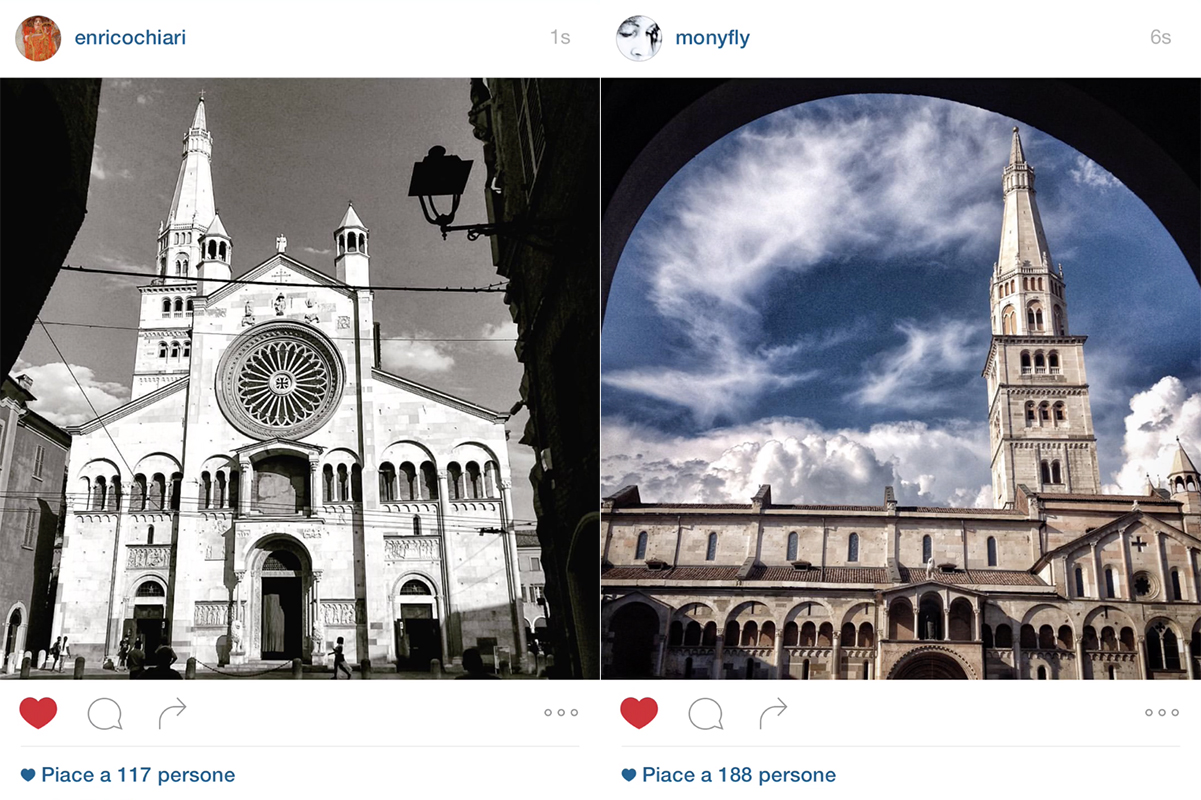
point(1089, 173)
point(930, 356)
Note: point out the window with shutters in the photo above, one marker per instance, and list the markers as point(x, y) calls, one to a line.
point(530, 130)
point(37, 462)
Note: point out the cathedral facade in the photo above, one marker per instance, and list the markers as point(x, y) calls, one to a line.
point(269, 488)
point(1057, 581)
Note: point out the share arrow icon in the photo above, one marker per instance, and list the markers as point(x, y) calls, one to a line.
point(783, 707)
point(181, 708)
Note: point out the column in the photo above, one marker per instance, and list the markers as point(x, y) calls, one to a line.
point(1182, 645)
point(719, 656)
point(314, 497)
point(977, 631)
point(779, 653)
point(1142, 657)
point(237, 624)
point(661, 664)
point(1097, 591)
point(1017, 654)
point(317, 622)
point(1163, 571)
point(946, 621)
point(1080, 673)
point(453, 636)
point(245, 486)
point(835, 655)
point(1128, 594)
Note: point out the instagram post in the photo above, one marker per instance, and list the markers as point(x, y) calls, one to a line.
point(664, 400)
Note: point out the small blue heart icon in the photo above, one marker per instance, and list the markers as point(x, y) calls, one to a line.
point(28, 774)
point(628, 774)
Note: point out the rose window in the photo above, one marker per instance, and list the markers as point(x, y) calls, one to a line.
point(280, 379)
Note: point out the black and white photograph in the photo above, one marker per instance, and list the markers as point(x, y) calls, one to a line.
point(305, 386)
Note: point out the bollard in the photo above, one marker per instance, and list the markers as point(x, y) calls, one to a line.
point(297, 669)
point(189, 673)
point(25, 667)
point(78, 674)
point(365, 668)
point(42, 655)
point(436, 668)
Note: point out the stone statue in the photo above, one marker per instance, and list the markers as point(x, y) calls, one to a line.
point(280, 304)
point(930, 567)
point(248, 315)
point(235, 636)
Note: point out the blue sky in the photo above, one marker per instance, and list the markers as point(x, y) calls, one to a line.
point(287, 156)
point(806, 304)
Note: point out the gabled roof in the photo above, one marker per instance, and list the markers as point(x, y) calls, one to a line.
point(124, 411)
point(276, 260)
point(441, 397)
point(1114, 525)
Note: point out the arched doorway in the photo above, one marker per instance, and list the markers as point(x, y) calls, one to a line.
point(14, 635)
point(928, 666)
point(149, 619)
point(418, 626)
point(283, 600)
point(634, 628)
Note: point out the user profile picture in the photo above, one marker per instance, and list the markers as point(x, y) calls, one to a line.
point(38, 38)
point(639, 38)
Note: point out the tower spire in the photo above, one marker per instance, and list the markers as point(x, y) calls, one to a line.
point(1023, 243)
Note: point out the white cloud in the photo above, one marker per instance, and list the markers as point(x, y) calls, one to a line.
point(802, 462)
point(401, 355)
point(1157, 416)
point(314, 251)
point(803, 187)
point(897, 377)
point(59, 399)
point(1090, 173)
point(102, 168)
point(145, 99)
point(504, 333)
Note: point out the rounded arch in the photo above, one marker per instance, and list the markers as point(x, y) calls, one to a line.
point(157, 461)
point(859, 612)
point(421, 576)
point(410, 450)
point(634, 628)
point(98, 467)
point(695, 610)
point(931, 663)
point(340, 455)
point(656, 146)
point(815, 609)
point(1044, 614)
point(256, 551)
point(1111, 616)
point(756, 609)
point(472, 450)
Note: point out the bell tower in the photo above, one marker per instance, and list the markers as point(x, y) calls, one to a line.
point(351, 264)
point(1040, 421)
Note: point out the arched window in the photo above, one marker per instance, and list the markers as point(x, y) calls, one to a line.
point(341, 243)
point(675, 634)
point(187, 348)
point(1009, 321)
point(410, 488)
point(327, 483)
point(692, 634)
point(206, 490)
point(429, 481)
point(1034, 316)
point(387, 482)
point(1060, 414)
point(1025, 362)
point(927, 549)
point(455, 474)
point(343, 484)
point(162, 349)
point(158, 491)
point(150, 535)
point(1045, 471)
point(1109, 583)
point(1056, 477)
point(352, 243)
point(1176, 594)
point(992, 551)
point(175, 238)
point(1053, 362)
point(356, 483)
point(362, 243)
point(1192, 485)
point(475, 485)
point(219, 500)
point(188, 306)
point(1004, 636)
point(853, 547)
point(1044, 412)
point(1040, 363)
point(1042, 673)
point(792, 546)
point(986, 637)
point(640, 550)
point(1079, 582)
point(1030, 413)
point(221, 251)
point(711, 549)
point(167, 307)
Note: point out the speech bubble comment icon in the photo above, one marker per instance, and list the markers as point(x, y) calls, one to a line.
point(705, 714)
point(105, 714)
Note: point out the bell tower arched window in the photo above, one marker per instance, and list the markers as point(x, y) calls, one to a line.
point(1056, 478)
point(927, 549)
point(792, 546)
point(640, 548)
point(853, 547)
point(992, 551)
point(1009, 321)
point(711, 548)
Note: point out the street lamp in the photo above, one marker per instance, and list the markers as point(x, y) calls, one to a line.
point(441, 175)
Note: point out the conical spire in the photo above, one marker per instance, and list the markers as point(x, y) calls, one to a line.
point(1016, 156)
point(216, 228)
point(1023, 243)
point(193, 204)
point(350, 219)
point(1181, 463)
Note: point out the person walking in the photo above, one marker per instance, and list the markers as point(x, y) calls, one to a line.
point(339, 660)
point(136, 660)
point(65, 653)
point(122, 652)
point(55, 650)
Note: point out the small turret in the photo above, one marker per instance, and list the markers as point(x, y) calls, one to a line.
point(216, 251)
point(352, 264)
point(1184, 478)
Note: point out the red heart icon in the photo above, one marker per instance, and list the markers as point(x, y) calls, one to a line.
point(639, 713)
point(39, 712)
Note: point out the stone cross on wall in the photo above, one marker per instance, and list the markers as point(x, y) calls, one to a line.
point(1139, 543)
